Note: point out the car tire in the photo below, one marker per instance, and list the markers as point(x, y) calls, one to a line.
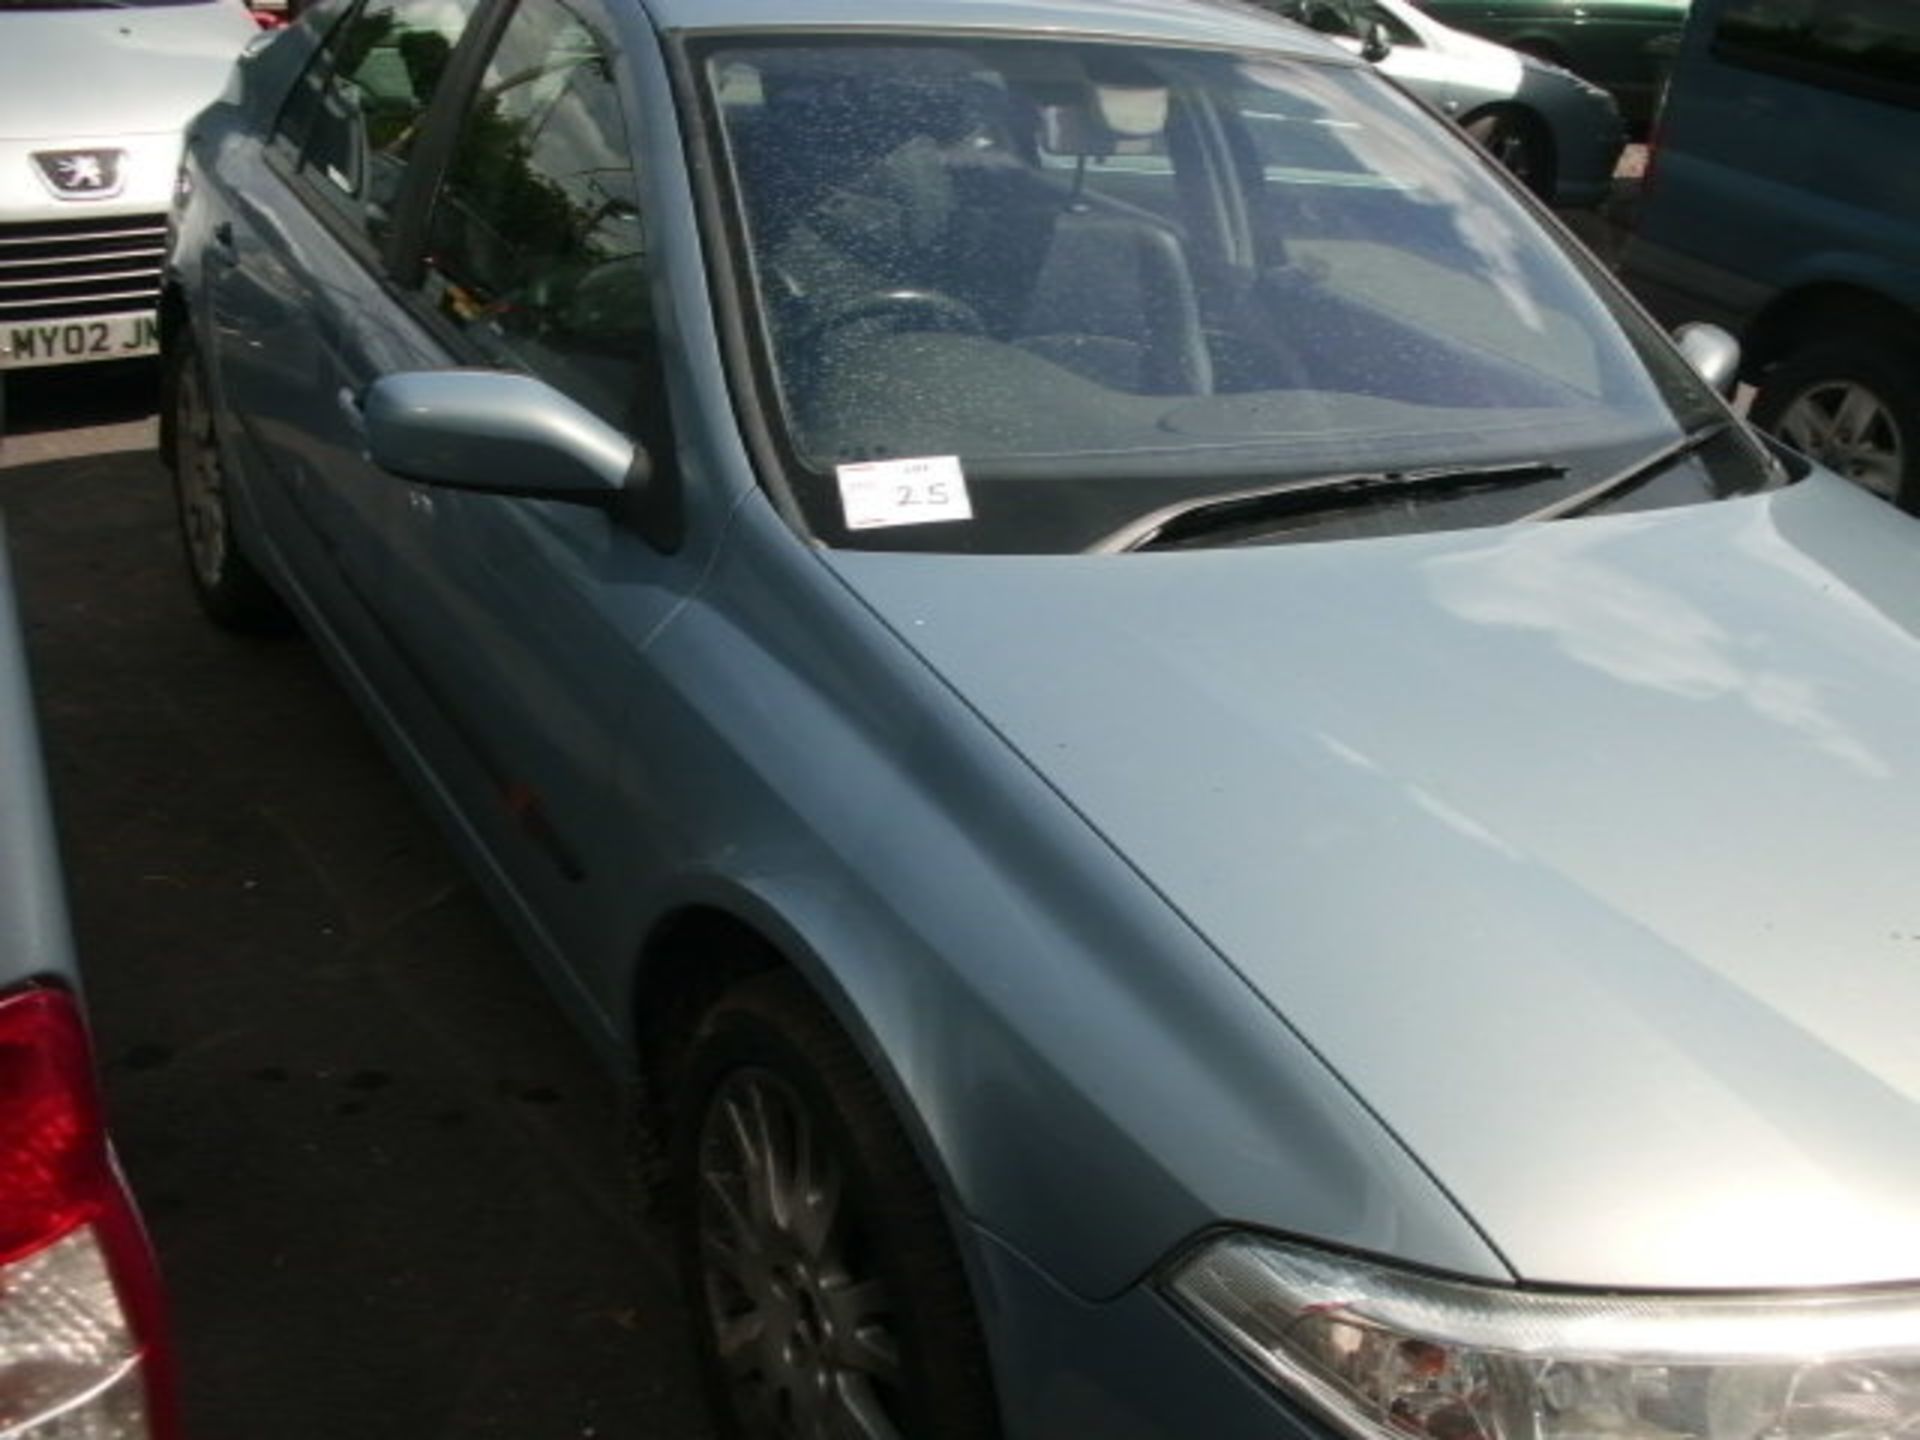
point(1520, 143)
point(230, 590)
point(827, 1292)
point(1853, 403)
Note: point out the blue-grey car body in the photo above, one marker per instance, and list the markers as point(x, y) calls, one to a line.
point(1463, 898)
point(35, 940)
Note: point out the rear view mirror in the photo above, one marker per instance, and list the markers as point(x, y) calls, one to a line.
point(1132, 112)
point(493, 431)
point(1377, 43)
point(1713, 353)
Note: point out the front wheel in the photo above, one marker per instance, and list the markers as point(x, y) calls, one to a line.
point(1520, 143)
point(229, 589)
point(1853, 404)
point(828, 1295)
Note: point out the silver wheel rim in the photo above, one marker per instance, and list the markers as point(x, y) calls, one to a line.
point(203, 496)
point(1507, 143)
point(1850, 430)
point(802, 1326)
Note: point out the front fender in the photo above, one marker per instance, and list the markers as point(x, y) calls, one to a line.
point(1083, 1075)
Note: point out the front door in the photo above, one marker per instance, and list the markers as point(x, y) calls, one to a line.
point(526, 621)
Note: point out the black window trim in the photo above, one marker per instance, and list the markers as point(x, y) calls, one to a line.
point(405, 256)
point(282, 144)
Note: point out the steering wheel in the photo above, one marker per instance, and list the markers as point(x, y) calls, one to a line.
point(905, 308)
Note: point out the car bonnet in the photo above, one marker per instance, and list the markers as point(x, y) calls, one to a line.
point(1581, 850)
point(72, 75)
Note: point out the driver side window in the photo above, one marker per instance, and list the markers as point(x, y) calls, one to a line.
point(536, 247)
point(359, 123)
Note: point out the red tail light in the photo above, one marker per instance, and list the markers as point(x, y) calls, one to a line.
point(82, 1340)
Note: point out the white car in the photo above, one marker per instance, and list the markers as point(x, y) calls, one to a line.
point(1558, 134)
point(94, 98)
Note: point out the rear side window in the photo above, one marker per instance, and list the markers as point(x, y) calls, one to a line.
point(382, 67)
point(1866, 47)
point(536, 247)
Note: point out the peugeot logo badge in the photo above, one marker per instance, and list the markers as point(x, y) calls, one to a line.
point(80, 174)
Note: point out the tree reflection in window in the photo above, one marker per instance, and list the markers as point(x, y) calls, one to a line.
point(389, 58)
point(536, 244)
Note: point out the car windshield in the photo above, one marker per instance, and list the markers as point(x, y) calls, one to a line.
point(1032, 290)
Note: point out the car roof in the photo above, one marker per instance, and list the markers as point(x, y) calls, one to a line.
point(1186, 22)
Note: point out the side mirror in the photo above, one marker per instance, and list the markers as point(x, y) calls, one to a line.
point(1712, 352)
point(1377, 43)
point(501, 433)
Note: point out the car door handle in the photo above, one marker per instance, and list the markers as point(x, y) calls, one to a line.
point(223, 249)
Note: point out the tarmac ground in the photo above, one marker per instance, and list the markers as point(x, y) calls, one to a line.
point(385, 1179)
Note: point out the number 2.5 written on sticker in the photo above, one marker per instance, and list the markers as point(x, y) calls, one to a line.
point(919, 491)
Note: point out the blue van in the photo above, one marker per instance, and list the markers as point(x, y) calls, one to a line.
point(1783, 202)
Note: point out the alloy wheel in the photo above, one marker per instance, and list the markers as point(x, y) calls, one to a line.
point(1510, 148)
point(803, 1325)
point(202, 488)
point(1850, 430)
point(1514, 142)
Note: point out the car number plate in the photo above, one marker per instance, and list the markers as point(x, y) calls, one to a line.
point(73, 342)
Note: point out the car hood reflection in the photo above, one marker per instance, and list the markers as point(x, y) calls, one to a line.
point(1581, 851)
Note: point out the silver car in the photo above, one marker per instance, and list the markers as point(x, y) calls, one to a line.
point(1560, 135)
point(93, 100)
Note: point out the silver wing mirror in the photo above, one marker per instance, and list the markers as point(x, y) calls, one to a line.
point(1712, 352)
point(493, 431)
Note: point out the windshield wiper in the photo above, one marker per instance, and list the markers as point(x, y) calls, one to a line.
point(1633, 476)
point(1191, 518)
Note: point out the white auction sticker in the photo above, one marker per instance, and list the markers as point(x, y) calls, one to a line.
point(903, 492)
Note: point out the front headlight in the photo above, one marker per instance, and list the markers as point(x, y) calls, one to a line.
point(1384, 1353)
